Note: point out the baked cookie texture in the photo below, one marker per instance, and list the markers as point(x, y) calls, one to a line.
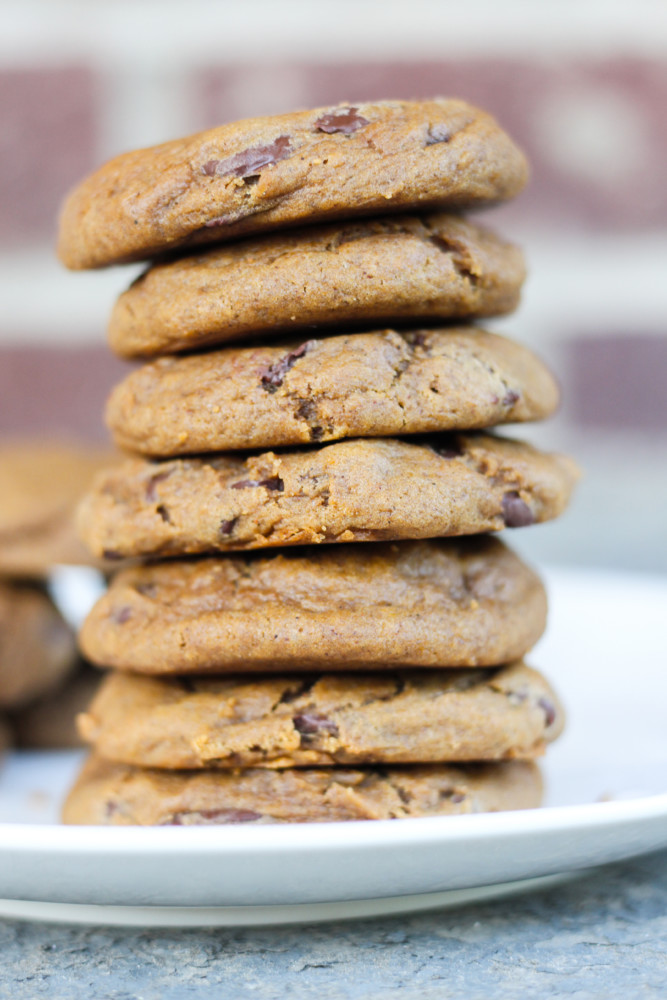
point(40, 486)
point(120, 795)
point(391, 718)
point(445, 603)
point(264, 173)
point(361, 272)
point(357, 385)
point(37, 648)
point(357, 490)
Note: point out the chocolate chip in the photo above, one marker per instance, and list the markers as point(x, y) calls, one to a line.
point(516, 512)
point(345, 120)
point(249, 162)
point(202, 817)
point(151, 492)
point(447, 447)
point(307, 410)
point(110, 807)
point(275, 484)
point(121, 615)
point(147, 589)
point(164, 513)
point(112, 554)
point(453, 795)
point(549, 710)
point(437, 133)
point(510, 398)
point(273, 377)
point(226, 527)
point(313, 722)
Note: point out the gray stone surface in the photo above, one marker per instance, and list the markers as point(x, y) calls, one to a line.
point(603, 935)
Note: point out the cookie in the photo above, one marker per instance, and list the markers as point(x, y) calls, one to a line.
point(37, 648)
point(6, 736)
point(360, 385)
point(120, 795)
point(358, 490)
point(49, 723)
point(266, 173)
point(406, 267)
point(40, 486)
point(410, 717)
point(451, 603)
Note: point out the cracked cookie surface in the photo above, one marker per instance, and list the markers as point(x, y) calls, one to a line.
point(120, 795)
point(358, 385)
point(266, 173)
point(361, 272)
point(394, 718)
point(450, 603)
point(357, 490)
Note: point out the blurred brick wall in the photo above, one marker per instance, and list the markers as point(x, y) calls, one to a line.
point(585, 98)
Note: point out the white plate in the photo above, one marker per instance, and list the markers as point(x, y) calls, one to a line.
point(606, 652)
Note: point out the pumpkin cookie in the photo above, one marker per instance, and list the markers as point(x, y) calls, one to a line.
point(360, 385)
point(450, 603)
point(119, 795)
point(390, 718)
point(37, 648)
point(40, 486)
point(266, 173)
point(406, 267)
point(358, 490)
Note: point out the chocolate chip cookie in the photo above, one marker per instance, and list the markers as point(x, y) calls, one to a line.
point(391, 718)
point(451, 603)
point(6, 736)
point(37, 648)
point(358, 385)
point(49, 723)
point(267, 173)
point(358, 490)
point(40, 486)
point(120, 795)
point(406, 267)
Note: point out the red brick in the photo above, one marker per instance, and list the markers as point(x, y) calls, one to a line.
point(57, 390)
point(593, 130)
point(48, 132)
point(618, 381)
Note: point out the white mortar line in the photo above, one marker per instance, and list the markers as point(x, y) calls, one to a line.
point(222, 32)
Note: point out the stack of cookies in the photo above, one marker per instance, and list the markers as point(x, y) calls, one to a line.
point(259, 674)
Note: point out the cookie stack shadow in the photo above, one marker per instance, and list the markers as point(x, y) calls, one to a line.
point(309, 379)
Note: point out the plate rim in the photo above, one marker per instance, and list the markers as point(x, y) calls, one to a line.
point(242, 839)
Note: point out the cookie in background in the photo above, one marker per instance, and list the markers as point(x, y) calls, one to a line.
point(41, 679)
point(41, 482)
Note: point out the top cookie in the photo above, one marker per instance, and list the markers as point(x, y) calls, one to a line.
point(264, 173)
